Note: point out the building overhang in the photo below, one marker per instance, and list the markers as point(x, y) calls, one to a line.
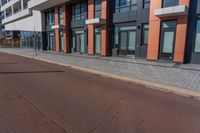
point(171, 11)
point(44, 4)
point(95, 21)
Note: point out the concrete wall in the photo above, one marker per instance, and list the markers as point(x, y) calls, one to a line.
point(30, 23)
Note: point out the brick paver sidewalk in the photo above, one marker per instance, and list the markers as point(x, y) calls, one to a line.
point(185, 75)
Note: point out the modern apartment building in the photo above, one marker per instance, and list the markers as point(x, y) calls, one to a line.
point(22, 27)
point(167, 30)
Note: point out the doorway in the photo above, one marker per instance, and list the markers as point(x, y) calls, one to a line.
point(97, 40)
point(51, 42)
point(79, 42)
point(127, 40)
point(61, 41)
point(167, 42)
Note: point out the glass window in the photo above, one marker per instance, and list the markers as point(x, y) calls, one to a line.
point(79, 11)
point(146, 4)
point(169, 3)
point(125, 5)
point(169, 24)
point(197, 40)
point(60, 12)
point(98, 8)
point(168, 42)
point(145, 35)
point(50, 17)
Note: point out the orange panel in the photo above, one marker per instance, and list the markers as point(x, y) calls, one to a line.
point(104, 41)
point(154, 32)
point(105, 29)
point(66, 21)
point(91, 39)
point(90, 9)
point(180, 43)
point(57, 30)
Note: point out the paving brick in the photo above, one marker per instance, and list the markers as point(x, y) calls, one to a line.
point(185, 75)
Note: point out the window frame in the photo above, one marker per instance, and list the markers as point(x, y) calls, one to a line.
point(145, 2)
point(195, 40)
point(60, 15)
point(143, 34)
point(165, 6)
point(97, 9)
point(82, 14)
point(129, 7)
point(49, 19)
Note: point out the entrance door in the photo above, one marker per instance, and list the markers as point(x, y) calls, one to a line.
point(168, 33)
point(97, 40)
point(79, 41)
point(51, 42)
point(127, 41)
point(61, 42)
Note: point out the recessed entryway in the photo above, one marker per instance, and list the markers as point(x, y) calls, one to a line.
point(167, 40)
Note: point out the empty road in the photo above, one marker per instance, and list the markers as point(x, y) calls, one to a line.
point(38, 97)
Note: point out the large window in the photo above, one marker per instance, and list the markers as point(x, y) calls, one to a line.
point(145, 34)
point(146, 4)
point(60, 12)
point(98, 8)
point(50, 17)
point(125, 5)
point(197, 40)
point(27, 39)
point(79, 11)
point(169, 3)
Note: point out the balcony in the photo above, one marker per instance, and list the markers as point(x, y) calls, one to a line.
point(44, 4)
point(9, 4)
point(16, 16)
point(171, 11)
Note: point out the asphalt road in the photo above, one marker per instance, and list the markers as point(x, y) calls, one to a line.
point(37, 97)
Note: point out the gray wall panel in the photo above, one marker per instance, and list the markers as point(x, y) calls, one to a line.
point(77, 24)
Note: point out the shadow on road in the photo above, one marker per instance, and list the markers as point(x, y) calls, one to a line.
point(31, 72)
point(7, 63)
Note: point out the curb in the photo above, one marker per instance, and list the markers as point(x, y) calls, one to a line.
point(150, 84)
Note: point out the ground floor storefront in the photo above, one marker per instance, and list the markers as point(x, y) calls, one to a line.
point(86, 27)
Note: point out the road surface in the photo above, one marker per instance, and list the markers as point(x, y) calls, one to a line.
point(38, 97)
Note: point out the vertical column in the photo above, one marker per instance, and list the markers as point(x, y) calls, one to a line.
point(12, 9)
point(57, 36)
point(90, 28)
point(105, 28)
point(22, 4)
point(154, 32)
point(66, 22)
point(181, 33)
point(180, 42)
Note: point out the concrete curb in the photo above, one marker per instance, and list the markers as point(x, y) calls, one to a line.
point(153, 85)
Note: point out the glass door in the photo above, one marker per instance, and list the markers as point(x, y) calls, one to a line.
point(51, 42)
point(82, 43)
point(97, 40)
point(131, 42)
point(127, 43)
point(79, 41)
point(61, 42)
point(77, 44)
point(168, 33)
point(123, 43)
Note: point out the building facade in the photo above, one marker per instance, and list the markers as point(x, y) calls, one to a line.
point(167, 30)
point(21, 27)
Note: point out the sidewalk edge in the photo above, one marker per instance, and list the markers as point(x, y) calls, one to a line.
point(150, 84)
